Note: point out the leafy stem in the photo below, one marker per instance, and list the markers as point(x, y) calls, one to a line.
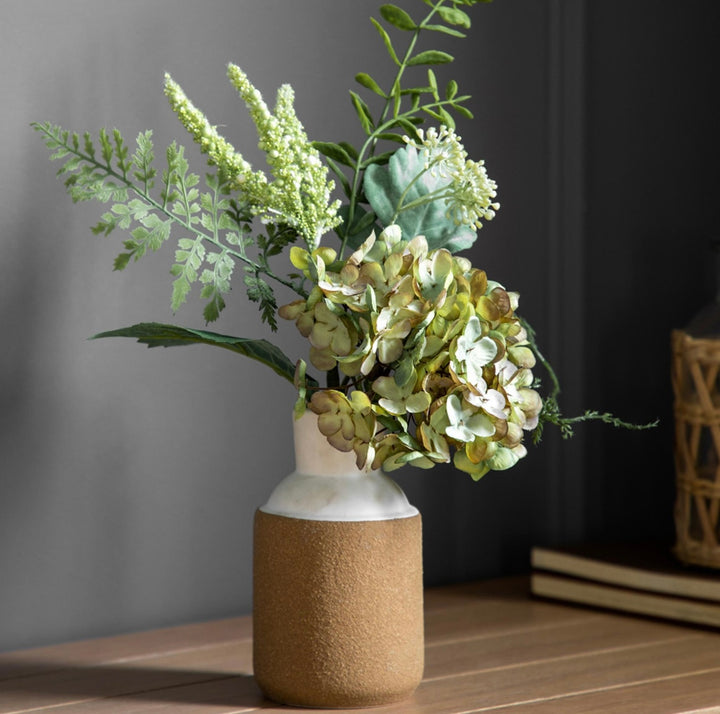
point(394, 94)
point(391, 117)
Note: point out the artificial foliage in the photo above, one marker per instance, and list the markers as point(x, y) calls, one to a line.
point(415, 356)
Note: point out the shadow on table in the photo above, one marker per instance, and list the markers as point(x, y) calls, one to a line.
point(29, 685)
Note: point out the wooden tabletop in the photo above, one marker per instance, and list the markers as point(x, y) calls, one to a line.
point(491, 647)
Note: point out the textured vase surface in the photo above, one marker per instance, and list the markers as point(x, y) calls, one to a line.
point(338, 609)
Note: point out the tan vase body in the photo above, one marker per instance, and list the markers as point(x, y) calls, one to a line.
point(338, 606)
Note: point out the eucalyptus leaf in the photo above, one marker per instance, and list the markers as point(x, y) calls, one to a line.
point(405, 173)
point(154, 334)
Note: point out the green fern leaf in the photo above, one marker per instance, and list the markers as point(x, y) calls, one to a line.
point(121, 261)
point(180, 290)
point(260, 292)
point(189, 258)
point(105, 145)
point(216, 282)
point(143, 159)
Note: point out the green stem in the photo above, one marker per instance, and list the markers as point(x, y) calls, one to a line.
point(406, 59)
point(543, 361)
point(371, 142)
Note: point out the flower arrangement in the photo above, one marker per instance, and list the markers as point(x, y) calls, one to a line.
point(425, 359)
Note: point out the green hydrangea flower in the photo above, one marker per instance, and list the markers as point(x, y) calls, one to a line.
point(432, 344)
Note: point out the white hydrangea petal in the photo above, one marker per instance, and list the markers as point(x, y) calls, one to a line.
point(460, 433)
point(480, 425)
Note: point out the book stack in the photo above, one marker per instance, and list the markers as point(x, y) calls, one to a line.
point(643, 580)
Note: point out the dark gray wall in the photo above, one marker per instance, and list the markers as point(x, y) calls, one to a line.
point(652, 210)
point(129, 477)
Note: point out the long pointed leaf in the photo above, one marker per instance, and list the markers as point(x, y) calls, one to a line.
point(155, 334)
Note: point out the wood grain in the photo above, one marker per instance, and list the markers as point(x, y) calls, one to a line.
point(490, 647)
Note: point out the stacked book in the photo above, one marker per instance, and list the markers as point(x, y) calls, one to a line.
point(644, 580)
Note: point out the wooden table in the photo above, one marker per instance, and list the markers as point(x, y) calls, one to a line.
point(490, 647)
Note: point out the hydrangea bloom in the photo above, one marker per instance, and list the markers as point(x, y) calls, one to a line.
point(433, 345)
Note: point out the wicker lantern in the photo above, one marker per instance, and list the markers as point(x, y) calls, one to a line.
point(696, 386)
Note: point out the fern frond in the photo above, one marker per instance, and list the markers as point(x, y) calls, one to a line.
point(104, 171)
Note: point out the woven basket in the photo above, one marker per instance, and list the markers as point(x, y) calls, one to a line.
point(696, 386)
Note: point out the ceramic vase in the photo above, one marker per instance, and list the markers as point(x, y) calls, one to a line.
point(337, 590)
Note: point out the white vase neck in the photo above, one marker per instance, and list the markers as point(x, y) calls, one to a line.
point(315, 456)
point(327, 485)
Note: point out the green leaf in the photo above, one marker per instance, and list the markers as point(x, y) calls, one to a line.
point(364, 79)
point(159, 230)
point(189, 258)
point(155, 334)
point(216, 282)
point(340, 176)
point(351, 151)
point(404, 179)
point(363, 112)
point(107, 150)
point(180, 290)
point(386, 39)
point(446, 118)
point(380, 158)
point(143, 159)
point(434, 113)
point(430, 57)
point(463, 111)
point(363, 225)
point(334, 152)
point(260, 292)
point(454, 16)
point(445, 30)
point(432, 81)
point(397, 17)
point(408, 127)
point(397, 138)
point(122, 261)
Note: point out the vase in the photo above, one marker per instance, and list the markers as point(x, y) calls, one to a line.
point(337, 583)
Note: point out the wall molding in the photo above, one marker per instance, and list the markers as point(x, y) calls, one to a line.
point(566, 127)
